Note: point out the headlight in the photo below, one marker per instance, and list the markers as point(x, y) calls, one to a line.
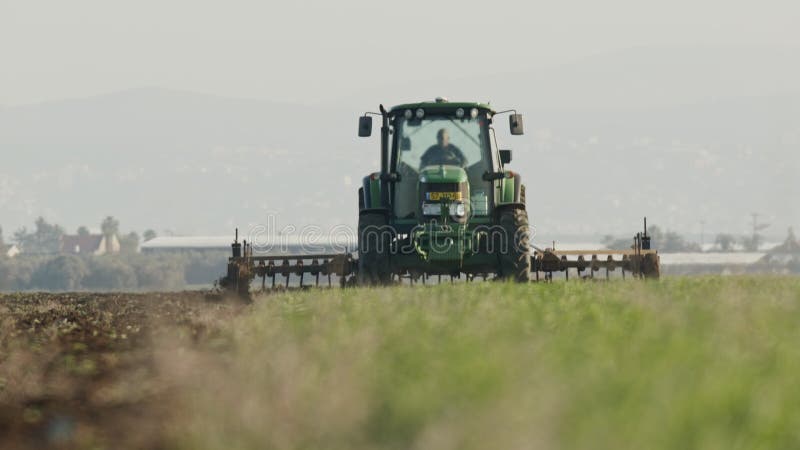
point(473, 112)
point(460, 113)
point(459, 209)
point(420, 113)
point(408, 114)
point(431, 209)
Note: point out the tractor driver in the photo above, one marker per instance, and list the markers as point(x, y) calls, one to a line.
point(443, 153)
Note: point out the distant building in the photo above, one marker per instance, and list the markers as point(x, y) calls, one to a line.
point(89, 244)
point(176, 244)
point(279, 245)
point(9, 250)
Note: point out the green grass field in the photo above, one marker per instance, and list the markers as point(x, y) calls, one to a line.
point(711, 363)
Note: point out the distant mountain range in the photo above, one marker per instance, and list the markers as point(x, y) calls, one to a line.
point(680, 137)
point(637, 78)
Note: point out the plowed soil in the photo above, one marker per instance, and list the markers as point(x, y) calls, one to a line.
point(82, 370)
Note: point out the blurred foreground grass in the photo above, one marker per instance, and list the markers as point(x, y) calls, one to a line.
point(707, 363)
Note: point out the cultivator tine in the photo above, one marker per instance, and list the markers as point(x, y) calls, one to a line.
point(300, 271)
point(315, 271)
point(271, 272)
point(324, 269)
point(263, 271)
point(285, 271)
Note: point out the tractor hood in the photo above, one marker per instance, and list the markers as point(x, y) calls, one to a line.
point(442, 174)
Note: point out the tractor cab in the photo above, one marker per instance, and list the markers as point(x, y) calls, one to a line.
point(441, 152)
point(440, 156)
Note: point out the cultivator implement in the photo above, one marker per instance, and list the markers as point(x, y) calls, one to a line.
point(245, 269)
point(642, 264)
point(639, 261)
point(278, 271)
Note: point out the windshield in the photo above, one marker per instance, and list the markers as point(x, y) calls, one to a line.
point(441, 140)
point(438, 140)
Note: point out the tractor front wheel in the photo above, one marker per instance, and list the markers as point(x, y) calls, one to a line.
point(374, 240)
point(513, 254)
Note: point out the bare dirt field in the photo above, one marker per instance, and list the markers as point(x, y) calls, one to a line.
point(86, 370)
point(683, 362)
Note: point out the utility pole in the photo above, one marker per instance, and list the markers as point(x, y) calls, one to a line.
point(756, 228)
point(702, 234)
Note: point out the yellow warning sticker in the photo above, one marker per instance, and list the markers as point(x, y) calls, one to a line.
point(439, 196)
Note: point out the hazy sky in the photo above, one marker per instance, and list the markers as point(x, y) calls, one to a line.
point(303, 51)
point(699, 160)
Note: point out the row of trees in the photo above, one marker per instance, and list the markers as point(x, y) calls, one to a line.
point(45, 238)
point(110, 272)
point(672, 242)
point(665, 241)
point(728, 242)
point(42, 266)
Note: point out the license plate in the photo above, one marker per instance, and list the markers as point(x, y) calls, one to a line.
point(439, 196)
point(432, 209)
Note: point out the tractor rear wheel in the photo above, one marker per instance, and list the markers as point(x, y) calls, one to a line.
point(514, 258)
point(374, 241)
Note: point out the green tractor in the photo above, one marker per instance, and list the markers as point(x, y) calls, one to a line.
point(444, 204)
point(444, 201)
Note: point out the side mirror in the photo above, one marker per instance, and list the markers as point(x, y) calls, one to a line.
point(365, 126)
point(505, 156)
point(515, 123)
